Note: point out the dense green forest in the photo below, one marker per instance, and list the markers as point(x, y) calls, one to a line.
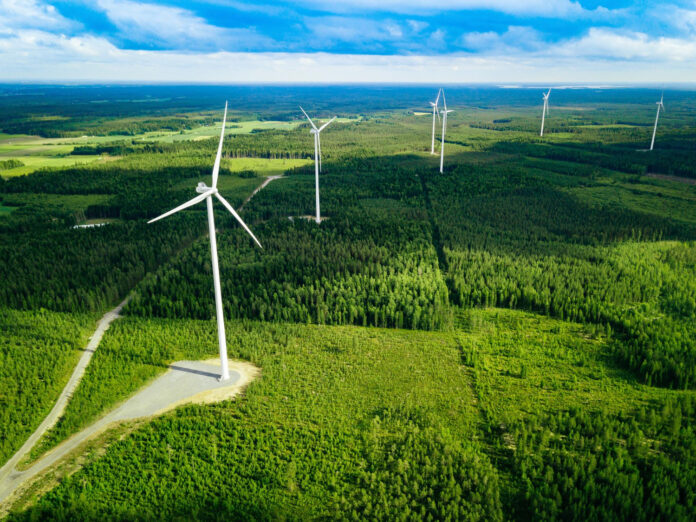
point(514, 338)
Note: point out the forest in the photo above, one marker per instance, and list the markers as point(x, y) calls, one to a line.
point(511, 339)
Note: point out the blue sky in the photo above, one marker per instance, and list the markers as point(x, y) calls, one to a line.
point(459, 41)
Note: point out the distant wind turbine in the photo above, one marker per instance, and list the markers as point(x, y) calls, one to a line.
point(445, 112)
point(317, 156)
point(660, 105)
point(545, 111)
point(207, 193)
point(435, 113)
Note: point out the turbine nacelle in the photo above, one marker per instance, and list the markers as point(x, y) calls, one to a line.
point(202, 188)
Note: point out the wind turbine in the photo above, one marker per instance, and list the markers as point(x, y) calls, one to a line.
point(445, 112)
point(317, 155)
point(206, 193)
point(545, 111)
point(660, 105)
point(435, 113)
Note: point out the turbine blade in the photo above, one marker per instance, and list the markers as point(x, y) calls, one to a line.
point(438, 97)
point(234, 213)
point(189, 203)
point(444, 100)
point(216, 167)
point(326, 124)
point(310, 119)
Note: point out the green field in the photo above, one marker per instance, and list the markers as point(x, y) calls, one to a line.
point(37, 153)
point(5, 210)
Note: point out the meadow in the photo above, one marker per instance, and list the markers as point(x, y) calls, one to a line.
point(512, 339)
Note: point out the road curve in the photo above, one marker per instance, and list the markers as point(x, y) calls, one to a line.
point(259, 188)
point(67, 392)
point(185, 382)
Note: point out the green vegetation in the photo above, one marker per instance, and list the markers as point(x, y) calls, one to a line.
point(38, 352)
point(466, 423)
point(324, 439)
point(539, 295)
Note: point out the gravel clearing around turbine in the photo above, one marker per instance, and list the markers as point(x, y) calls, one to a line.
point(185, 382)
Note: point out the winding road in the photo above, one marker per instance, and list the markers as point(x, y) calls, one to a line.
point(9, 468)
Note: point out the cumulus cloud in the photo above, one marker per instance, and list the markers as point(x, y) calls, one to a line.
point(40, 55)
point(515, 39)
point(603, 43)
point(37, 43)
point(31, 14)
point(159, 25)
point(546, 8)
point(598, 43)
point(363, 33)
point(682, 19)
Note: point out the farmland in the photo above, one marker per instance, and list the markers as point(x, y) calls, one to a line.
point(511, 339)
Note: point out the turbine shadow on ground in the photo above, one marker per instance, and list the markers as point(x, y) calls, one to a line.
point(194, 371)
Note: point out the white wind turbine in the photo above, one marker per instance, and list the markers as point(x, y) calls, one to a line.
point(445, 112)
point(317, 156)
point(660, 105)
point(545, 111)
point(435, 114)
point(207, 193)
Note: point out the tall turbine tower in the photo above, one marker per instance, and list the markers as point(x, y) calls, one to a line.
point(545, 111)
point(317, 156)
point(445, 112)
point(435, 114)
point(660, 105)
point(207, 193)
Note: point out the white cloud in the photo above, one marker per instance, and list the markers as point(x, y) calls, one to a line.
point(515, 39)
point(416, 25)
point(546, 8)
point(43, 56)
point(681, 19)
point(603, 43)
point(331, 29)
point(173, 26)
point(599, 43)
point(436, 40)
point(31, 14)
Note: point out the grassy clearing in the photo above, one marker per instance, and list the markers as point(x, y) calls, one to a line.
point(34, 163)
point(37, 153)
point(264, 167)
point(527, 365)
point(295, 443)
point(642, 198)
point(321, 390)
point(6, 211)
